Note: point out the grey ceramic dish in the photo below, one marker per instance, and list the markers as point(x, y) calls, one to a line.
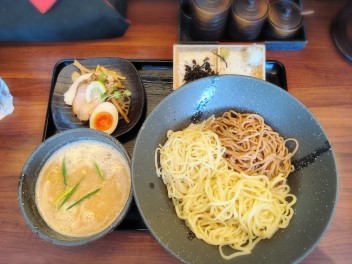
point(30, 172)
point(63, 117)
point(314, 181)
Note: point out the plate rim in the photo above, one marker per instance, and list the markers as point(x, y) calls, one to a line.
point(135, 72)
point(332, 210)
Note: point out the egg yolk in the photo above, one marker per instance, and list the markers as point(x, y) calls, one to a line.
point(103, 121)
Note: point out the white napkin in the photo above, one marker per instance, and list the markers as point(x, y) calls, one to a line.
point(6, 100)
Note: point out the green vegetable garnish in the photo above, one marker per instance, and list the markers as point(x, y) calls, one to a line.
point(102, 77)
point(118, 94)
point(99, 171)
point(115, 94)
point(67, 194)
point(83, 198)
point(63, 195)
point(127, 92)
point(64, 172)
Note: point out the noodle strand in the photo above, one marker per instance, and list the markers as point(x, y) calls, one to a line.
point(227, 178)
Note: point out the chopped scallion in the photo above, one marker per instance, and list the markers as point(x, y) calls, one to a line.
point(83, 198)
point(64, 172)
point(63, 195)
point(101, 175)
point(69, 194)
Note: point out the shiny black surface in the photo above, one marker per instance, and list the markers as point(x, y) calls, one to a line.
point(153, 74)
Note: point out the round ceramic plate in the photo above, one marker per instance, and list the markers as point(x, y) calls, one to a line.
point(62, 113)
point(314, 181)
point(342, 30)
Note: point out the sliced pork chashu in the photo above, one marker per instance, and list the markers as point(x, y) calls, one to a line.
point(80, 107)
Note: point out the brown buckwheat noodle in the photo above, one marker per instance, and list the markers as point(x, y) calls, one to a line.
point(252, 146)
point(221, 204)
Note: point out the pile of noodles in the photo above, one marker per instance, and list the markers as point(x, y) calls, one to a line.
point(227, 178)
point(252, 146)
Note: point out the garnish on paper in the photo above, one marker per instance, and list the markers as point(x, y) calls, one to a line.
point(192, 62)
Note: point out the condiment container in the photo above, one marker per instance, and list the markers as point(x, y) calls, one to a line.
point(284, 19)
point(209, 18)
point(247, 18)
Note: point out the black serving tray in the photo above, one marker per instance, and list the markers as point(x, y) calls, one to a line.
point(157, 80)
point(296, 42)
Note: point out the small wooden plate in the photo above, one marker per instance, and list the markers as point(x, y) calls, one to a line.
point(246, 60)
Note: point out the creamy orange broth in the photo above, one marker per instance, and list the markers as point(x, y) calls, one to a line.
point(98, 211)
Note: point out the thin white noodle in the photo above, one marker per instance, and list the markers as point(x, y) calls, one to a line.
point(221, 206)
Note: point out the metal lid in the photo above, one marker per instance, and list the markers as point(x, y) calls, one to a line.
point(285, 14)
point(251, 9)
point(212, 5)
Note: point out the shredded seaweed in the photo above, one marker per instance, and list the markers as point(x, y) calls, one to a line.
point(198, 71)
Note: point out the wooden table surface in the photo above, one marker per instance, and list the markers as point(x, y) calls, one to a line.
point(317, 75)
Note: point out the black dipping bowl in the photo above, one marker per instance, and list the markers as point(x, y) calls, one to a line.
point(30, 173)
point(314, 181)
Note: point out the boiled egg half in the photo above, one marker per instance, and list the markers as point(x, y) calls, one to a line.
point(104, 118)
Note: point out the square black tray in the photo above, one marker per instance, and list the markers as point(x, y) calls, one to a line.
point(157, 80)
point(296, 42)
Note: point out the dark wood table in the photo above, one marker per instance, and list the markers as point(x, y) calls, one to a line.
point(317, 75)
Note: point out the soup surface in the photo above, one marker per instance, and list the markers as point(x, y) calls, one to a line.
point(82, 188)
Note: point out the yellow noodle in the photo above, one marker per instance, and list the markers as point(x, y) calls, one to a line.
point(221, 206)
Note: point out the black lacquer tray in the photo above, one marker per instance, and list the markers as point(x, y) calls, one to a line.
point(157, 80)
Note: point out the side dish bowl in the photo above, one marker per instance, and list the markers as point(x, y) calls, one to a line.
point(30, 173)
point(63, 116)
point(314, 181)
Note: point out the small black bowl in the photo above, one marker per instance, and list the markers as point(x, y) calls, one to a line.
point(63, 117)
point(30, 173)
